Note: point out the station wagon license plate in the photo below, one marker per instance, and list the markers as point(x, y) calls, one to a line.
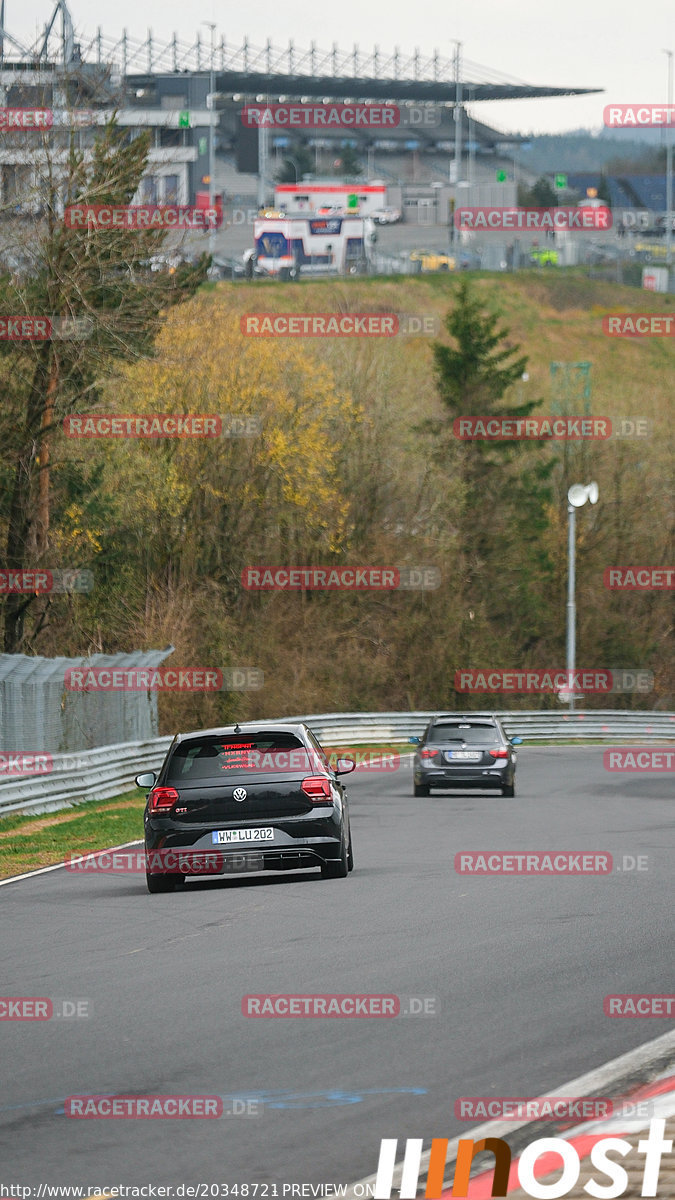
point(222, 837)
point(463, 755)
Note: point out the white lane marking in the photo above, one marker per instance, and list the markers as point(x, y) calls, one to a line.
point(61, 865)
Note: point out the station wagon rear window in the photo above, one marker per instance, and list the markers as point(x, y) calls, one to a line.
point(474, 732)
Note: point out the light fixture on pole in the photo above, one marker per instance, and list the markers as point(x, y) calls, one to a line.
point(577, 496)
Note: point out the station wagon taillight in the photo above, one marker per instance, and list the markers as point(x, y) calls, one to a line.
point(317, 788)
point(500, 752)
point(161, 799)
point(428, 752)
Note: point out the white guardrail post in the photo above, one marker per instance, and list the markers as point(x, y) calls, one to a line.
point(109, 770)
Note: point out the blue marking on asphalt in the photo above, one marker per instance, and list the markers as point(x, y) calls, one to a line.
point(287, 1099)
point(331, 1099)
point(281, 1099)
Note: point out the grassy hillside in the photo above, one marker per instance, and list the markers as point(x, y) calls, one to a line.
point(357, 465)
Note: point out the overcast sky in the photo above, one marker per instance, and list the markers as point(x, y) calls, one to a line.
point(577, 43)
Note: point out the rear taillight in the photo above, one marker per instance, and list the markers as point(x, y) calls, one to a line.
point(317, 788)
point(500, 752)
point(428, 753)
point(161, 799)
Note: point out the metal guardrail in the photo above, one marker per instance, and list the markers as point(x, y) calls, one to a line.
point(110, 770)
point(85, 775)
point(357, 729)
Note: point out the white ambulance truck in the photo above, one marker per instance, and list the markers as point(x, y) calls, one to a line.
point(289, 246)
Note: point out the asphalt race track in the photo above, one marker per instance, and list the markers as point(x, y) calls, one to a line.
point(518, 968)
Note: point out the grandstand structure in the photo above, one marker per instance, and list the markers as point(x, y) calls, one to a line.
point(190, 95)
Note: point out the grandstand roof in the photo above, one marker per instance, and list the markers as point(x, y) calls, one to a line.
point(368, 88)
point(293, 71)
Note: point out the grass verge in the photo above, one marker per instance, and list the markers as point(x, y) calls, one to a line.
point(28, 842)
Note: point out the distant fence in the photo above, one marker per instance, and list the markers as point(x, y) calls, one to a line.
point(38, 712)
point(110, 770)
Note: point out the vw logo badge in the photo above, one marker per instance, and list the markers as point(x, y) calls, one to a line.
point(239, 793)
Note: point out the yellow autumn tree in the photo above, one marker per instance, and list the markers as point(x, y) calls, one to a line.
point(276, 492)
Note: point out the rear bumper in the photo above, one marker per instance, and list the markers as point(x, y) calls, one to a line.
point(196, 866)
point(299, 843)
point(463, 777)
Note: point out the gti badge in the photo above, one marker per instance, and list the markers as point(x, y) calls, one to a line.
point(239, 793)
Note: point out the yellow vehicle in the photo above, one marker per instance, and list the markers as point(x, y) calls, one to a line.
point(431, 260)
point(545, 258)
point(650, 250)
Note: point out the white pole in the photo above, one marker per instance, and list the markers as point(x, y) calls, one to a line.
point(571, 603)
point(458, 127)
point(212, 145)
point(669, 162)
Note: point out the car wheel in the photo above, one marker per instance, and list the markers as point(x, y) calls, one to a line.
point(162, 883)
point(420, 789)
point(337, 868)
point(509, 790)
point(350, 856)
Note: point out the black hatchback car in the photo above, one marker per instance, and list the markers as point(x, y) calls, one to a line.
point(253, 797)
point(465, 750)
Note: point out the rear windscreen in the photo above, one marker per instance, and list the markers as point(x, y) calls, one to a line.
point(216, 757)
point(465, 732)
